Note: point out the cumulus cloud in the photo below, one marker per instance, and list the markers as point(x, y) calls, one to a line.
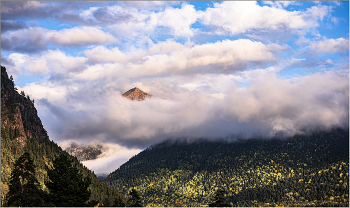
point(302, 40)
point(235, 17)
point(55, 62)
point(179, 20)
point(80, 36)
point(11, 8)
point(61, 63)
point(36, 39)
point(151, 5)
point(11, 67)
point(28, 40)
point(222, 109)
point(340, 45)
point(102, 54)
point(8, 25)
point(173, 58)
point(280, 4)
point(33, 65)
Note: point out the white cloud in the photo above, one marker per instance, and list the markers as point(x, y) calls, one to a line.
point(102, 54)
point(339, 45)
point(335, 20)
point(111, 159)
point(280, 4)
point(214, 107)
point(33, 65)
point(26, 40)
point(302, 40)
point(61, 63)
point(47, 90)
point(179, 20)
point(20, 7)
point(236, 17)
point(152, 5)
point(80, 36)
point(173, 58)
point(51, 61)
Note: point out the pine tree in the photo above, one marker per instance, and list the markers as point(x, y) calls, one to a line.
point(118, 202)
point(67, 185)
point(135, 200)
point(24, 187)
point(219, 199)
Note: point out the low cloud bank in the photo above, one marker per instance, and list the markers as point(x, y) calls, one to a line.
point(213, 108)
point(111, 159)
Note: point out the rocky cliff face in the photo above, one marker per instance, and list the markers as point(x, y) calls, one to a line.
point(18, 112)
point(83, 153)
point(136, 94)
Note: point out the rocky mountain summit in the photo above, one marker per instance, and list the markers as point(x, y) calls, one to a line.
point(136, 94)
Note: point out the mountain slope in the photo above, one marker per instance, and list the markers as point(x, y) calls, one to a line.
point(136, 94)
point(21, 129)
point(299, 171)
point(83, 153)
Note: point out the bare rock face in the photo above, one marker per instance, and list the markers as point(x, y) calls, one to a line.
point(136, 94)
point(83, 153)
point(19, 114)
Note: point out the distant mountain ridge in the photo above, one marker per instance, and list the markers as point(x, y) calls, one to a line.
point(303, 170)
point(136, 94)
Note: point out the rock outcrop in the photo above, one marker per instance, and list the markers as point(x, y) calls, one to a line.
point(83, 153)
point(18, 112)
point(136, 94)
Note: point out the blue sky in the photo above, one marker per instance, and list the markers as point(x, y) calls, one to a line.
point(215, 69)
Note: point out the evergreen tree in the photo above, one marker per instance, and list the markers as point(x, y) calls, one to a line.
point(24, 187)
point(135, 200)
point(118, 202)
point(67, 185)
point(219, 199)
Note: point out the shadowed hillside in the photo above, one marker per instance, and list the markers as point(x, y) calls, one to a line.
point(311, 170)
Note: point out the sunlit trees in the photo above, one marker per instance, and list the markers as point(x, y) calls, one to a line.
point(219, 199)
point(134, 200)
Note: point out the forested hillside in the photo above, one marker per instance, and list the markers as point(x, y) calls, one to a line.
point(22, 130)
point(311, 170)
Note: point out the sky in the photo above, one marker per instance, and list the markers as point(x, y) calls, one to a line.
point(232, 69)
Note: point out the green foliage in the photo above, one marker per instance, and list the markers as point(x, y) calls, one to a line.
point(219, 199)
point(134, 200)
point(119, 202)
point(67, 186)
point(24, 187)
point(290, 172)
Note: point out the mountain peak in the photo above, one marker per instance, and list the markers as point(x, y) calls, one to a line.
point(136, 94)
